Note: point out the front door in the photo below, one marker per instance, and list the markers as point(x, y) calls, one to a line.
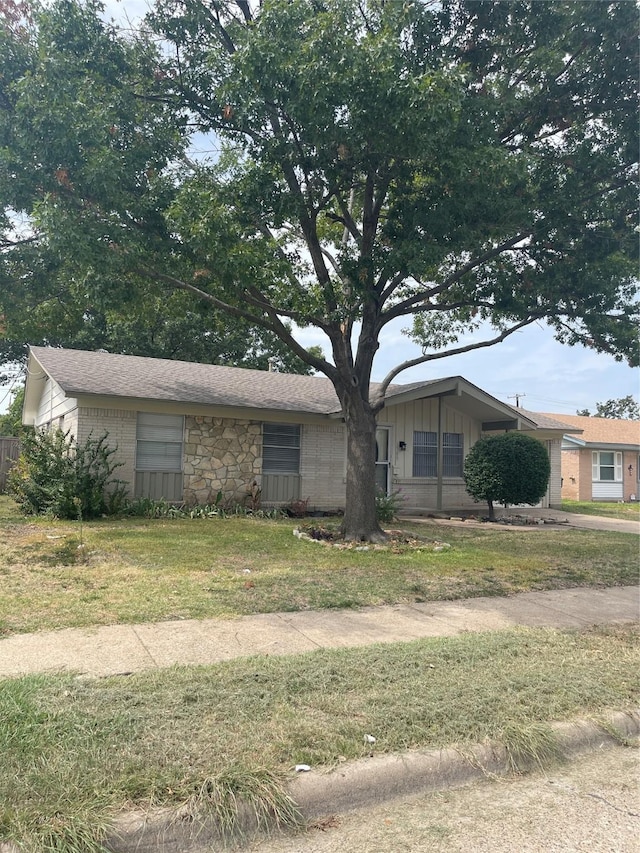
point(382, 459)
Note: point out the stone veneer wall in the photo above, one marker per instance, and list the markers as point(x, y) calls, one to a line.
point(221, 454)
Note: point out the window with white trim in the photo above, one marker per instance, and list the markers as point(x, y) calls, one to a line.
point(281, 449)
point(606, 466)
point(159, 442)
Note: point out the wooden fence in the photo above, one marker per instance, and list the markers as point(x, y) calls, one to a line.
point(9, 450)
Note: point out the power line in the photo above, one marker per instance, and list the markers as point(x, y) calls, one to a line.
point(10, 389)
point(516, 397)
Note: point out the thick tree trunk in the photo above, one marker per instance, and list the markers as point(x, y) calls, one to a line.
point(360, 523)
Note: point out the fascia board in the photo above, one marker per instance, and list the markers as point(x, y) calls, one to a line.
point(139, 404)
point(34, 386)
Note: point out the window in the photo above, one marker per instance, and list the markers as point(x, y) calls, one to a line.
point(159, 442)
point(425, 454)
point(452, 454)
point(281, 449)
point(606, 466)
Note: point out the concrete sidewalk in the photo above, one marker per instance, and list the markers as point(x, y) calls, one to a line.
point(118, 649)
point(548, 518)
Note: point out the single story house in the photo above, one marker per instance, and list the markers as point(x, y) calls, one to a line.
point(186, 432)
point(602, 463)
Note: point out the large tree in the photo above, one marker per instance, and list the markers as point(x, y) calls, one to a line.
point(462, 165)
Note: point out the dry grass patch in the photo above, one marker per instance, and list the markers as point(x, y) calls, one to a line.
point(136, 570)
point(76, 750)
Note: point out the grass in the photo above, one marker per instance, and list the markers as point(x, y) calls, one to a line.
point(138, 570)
point(76, 751)
point(608, 509)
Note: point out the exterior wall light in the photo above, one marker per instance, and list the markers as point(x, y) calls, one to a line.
point(402, 445)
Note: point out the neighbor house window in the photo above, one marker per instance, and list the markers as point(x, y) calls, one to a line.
point(607, 466)
point(159, 442)
point(452, 454)
point(425, 454)
point(281, 449)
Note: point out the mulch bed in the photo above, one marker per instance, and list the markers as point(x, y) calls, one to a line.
point(397, 540)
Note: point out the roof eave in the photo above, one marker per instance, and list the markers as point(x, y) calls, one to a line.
point(457, 386)
point(199, 408)
point(34, 386)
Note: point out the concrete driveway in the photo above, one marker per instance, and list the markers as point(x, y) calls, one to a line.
point(599, 522)
point(544, 516)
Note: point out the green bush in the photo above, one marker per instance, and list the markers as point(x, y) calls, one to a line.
point(511, 468)
point(55, 475)
point(388, 505)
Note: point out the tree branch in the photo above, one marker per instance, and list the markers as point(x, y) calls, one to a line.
point(404, 307)
point(347, 219)
point(382, 390)
point(272, 324)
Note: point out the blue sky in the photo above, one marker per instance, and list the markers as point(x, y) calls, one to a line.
point(550, 377)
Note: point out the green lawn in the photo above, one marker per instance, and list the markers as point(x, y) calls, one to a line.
point(608, 509)
point(137, 570)
point(77, 751)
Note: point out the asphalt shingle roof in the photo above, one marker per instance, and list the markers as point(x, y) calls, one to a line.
point(549, 421)
point(79, 372)
point(603, 430)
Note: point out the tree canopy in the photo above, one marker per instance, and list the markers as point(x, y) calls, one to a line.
point(11, 420)
point(622, 408)
point(461, 164)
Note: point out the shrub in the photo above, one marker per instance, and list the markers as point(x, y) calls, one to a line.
point(56, 475)
point(511, 468)
point(388, 505)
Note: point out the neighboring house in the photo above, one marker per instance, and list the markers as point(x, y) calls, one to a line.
point(186, 432)
point(602, 463)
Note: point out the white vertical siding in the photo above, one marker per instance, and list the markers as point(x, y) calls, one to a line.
point(422, 415)
point(420, 493)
